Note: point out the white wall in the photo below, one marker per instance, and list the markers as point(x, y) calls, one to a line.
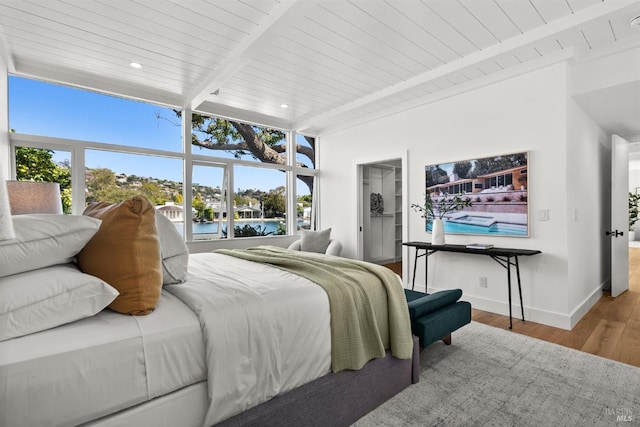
point(588, 190)
point(528, 112)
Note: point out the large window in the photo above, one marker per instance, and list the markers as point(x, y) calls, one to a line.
point(42, 164)
point(260, 201)
point(209, 202)
point(232, 139)
point(305, 207)
point(305, 151)
point(243, 180)
point(47, 109)
point(305, 183)
point(115, 176)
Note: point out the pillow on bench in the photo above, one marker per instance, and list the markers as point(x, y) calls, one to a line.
point(432, 302)
point(315, 241)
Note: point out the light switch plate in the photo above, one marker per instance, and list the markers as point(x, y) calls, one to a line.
point(543, 215)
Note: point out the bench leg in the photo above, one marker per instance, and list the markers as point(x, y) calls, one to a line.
point(447, 339)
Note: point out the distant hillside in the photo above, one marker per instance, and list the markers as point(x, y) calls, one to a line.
point(105, 185)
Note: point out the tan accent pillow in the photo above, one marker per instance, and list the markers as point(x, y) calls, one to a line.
point(125, 253)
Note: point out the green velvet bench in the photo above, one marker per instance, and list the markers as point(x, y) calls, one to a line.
point(435, 316)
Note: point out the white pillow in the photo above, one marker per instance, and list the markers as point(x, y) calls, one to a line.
point(44, 240)
point(315, 241)
point(42, 299)
point(175, 254)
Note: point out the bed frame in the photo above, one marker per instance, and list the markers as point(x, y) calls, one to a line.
point(338, 399)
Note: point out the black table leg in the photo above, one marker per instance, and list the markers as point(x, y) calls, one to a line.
point(415, 264)
point(509, 285)
point(426, 269)
point(519, 287)
point(501, 255)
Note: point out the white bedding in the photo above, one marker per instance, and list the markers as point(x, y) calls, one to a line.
point(266, 330)
point(247, 331)
point(99, 365)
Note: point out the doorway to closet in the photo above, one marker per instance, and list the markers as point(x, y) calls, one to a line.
point(381, 212)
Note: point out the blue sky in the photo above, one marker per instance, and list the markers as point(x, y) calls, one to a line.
point(448, 167)
point(41, 108)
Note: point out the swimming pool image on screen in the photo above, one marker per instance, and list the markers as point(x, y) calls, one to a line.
point(497, 188)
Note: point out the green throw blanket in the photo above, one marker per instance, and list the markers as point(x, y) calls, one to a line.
point(368, 306)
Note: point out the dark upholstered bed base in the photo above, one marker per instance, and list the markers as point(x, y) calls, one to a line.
point(337, 399)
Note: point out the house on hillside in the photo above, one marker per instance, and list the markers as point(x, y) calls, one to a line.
point(174, 212)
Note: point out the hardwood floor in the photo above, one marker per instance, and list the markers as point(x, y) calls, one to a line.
point(611, 329)
point(396, 267)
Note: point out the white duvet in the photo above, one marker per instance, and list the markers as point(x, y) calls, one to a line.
point(266, 331)
point(97, 366)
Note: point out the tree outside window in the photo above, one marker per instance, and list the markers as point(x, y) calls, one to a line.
point(38, 164)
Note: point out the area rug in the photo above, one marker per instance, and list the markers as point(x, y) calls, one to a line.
point(493, 377)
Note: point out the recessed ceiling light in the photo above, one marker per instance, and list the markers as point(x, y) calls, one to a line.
point(635, 22)
point(136, 65)
point(284, 105)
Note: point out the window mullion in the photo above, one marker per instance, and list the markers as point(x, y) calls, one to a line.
point(229, 192)
point(187, 173)
point(292, 199)
point(78, 180)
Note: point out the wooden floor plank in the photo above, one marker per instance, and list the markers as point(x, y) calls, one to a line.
point(604, 338)
point(547, 333)
point(628, 347)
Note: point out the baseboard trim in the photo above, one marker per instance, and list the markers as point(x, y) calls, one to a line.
point(586, 305)
point(545, 317)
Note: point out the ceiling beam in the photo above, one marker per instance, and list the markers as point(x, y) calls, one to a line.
point(96, 83)
point(556, 27)
point(286, 13)
point(493, 78)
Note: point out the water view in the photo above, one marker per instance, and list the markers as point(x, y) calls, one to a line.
point(212, 227)
point(206, 230)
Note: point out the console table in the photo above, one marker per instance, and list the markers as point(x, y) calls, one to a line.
point(506, 257)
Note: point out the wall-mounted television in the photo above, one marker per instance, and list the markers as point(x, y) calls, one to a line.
point(497, 188)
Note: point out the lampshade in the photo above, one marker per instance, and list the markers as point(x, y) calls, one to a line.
point(6, 225)
point(30, 197)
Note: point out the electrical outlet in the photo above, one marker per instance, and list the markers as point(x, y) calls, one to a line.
point(482, 281)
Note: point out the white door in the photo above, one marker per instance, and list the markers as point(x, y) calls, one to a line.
point(619, 215)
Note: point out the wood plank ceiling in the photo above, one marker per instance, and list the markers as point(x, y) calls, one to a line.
point(333, 62)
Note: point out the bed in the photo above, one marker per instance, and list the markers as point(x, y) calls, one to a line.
point(228, 342)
